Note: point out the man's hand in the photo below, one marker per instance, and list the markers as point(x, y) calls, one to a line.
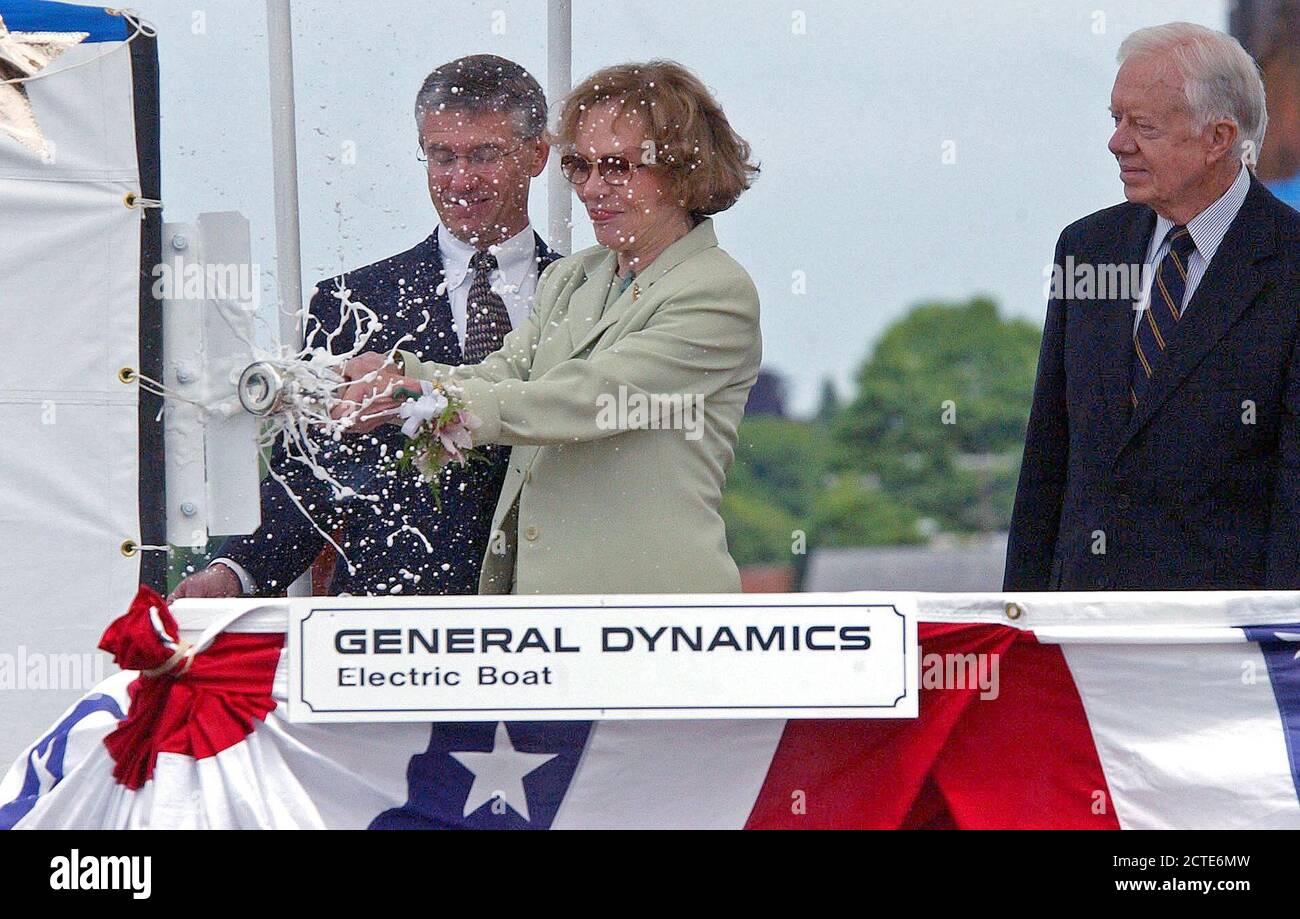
point(377, 385)
point(214, 581)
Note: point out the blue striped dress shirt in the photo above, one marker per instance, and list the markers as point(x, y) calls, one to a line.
point(1207, 228)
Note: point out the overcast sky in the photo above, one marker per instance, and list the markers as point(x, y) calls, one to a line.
point(851, 117)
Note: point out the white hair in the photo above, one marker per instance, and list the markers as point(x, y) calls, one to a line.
point(1220, 80)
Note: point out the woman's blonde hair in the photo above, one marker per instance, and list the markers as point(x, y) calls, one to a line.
point(690, 136)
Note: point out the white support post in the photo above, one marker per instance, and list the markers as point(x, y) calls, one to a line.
point(284, 152)
point(559, 79)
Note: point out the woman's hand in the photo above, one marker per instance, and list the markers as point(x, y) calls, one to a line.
point(377, 389)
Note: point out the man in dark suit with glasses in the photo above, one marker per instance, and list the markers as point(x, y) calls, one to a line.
point(452, 299)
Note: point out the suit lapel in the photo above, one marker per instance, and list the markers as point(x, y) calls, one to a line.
point(609, 316)
point(596, 319)
point(587, 304)
point(434, 339)
point(1116, 317)
point(545, 254)
point(1228, 288)
point(522, 456)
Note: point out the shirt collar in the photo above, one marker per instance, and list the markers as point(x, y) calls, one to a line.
point(1210, 226)
point(515, 257)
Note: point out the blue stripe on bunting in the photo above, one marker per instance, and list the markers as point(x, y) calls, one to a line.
point(1280, 645)
point(45, 759)
point(45, 16)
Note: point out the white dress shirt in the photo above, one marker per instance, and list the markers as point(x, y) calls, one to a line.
point(1207, 228)
point(515, 279)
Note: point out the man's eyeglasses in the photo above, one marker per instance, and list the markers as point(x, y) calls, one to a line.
point(614, 169)
point(486, 156)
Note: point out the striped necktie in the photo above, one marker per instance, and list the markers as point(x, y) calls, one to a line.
point(486, 319)
point(1164, 309)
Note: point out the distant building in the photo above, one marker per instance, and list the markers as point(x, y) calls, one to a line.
point(768, 395)
point(767, 579)
point(968, 567)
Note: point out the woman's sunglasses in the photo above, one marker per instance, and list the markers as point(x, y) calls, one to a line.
point(614, 169)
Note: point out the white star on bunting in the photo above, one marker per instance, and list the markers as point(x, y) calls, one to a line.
point(22, 55)
point(500, 774)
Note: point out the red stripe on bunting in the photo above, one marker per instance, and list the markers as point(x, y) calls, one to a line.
point(1021, 757)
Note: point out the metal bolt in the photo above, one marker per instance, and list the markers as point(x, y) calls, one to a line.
point(188, 509)
point(180, 243)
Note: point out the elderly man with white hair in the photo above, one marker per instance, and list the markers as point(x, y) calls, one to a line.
point(1163, 450)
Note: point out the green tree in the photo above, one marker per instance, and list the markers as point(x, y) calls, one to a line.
point(934, 430)
point(758, 531)
point(940, 412)
point(782, 460)
point(849, 514)
point(781, 466)
point(828, 406)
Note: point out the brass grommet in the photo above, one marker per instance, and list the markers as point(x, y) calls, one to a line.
point(129, 547)
point(1014, 611)
point(130, 199)
point(126, 375)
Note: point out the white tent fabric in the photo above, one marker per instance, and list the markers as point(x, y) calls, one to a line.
point(69, 303)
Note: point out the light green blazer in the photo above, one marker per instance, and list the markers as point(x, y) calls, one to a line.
point(589, 505)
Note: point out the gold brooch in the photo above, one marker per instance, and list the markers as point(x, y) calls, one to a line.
point(636, 291)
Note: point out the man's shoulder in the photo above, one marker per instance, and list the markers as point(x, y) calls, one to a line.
point(1287, 220)
point(717, 263)
point(1104, 223)
point(546, 256)
point(394, 269)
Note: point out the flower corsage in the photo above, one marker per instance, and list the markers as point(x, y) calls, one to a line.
point(441, 431)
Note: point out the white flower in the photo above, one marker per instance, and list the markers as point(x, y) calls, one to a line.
point(418, 411)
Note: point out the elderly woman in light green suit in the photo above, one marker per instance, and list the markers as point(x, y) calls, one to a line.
point(622, 394)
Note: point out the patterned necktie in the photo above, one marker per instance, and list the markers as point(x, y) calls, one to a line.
point(486, 318)
point(1164, 309)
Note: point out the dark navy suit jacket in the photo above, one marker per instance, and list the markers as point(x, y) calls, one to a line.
point(385, 541)
point(1199, 487)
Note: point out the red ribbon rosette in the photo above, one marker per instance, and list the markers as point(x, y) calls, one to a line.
point(196, 704)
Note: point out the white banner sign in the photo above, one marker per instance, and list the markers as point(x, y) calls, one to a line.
point(588, 658)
